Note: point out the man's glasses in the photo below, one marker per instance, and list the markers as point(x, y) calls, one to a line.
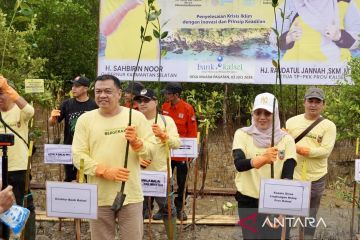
point(144, 100)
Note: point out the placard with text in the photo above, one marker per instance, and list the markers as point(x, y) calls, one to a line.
point(71, 200)
point(357, 170)
point(188, 148)
point(57, 154)
point(288, 197)
point(154, 183)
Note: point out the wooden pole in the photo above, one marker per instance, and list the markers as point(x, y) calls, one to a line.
point(195, 188)
point(77, 221)
point(169, 195)
point(354, 194)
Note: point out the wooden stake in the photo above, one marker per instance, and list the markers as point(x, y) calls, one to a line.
point(77, 221)
point(195, 190)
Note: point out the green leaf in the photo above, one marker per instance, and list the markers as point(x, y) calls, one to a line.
point(26, 11)
point(164, 34)
point(274, 63)
point(156, 33)
point(17, 5)
point(153, 16)
point(22, 19)
point(150, 2)
point(142, 29)
point(147, 38)
point(282, 14)
point(275, 31)
point(34, 2)
point(163, 52)
point(275, 3)
point(23, 5)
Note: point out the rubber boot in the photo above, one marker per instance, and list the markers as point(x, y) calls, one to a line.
point(173, 226)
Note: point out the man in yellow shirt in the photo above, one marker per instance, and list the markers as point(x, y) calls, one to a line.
point(167, 137)
point(16, 113)
point(313, 149)
point(100, 139)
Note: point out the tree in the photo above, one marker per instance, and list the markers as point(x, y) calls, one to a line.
point(66, 35)
point(343, 104)
point(18, 64)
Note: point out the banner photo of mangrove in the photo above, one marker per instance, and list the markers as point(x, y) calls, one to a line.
point(233, 41)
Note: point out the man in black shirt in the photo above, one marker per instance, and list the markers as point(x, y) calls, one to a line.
point(70, 110)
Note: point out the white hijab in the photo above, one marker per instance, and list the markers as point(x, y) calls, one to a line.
point(262, 138)
point(318, 13)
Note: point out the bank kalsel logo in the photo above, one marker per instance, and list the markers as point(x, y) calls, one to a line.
point(219, 66)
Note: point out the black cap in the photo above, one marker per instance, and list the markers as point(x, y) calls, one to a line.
point(172, 87)
point(83, 81)
point(135, 90)
point(146, 93)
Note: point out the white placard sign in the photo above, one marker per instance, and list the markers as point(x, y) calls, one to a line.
point(357, 170)
point(154, 183)
point(57, 154)
point(188, 148)
point(71, 200)
point(279, 196)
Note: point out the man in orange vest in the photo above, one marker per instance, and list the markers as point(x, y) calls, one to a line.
point(184, 116)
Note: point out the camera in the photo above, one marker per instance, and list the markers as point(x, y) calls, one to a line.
point(6, 139)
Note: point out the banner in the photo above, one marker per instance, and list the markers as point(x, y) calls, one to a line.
point(231, 41)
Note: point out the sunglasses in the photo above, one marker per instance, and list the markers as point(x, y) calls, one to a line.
point(144, 100)
point(259, 112)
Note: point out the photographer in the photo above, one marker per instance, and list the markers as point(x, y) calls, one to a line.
point(16, 112)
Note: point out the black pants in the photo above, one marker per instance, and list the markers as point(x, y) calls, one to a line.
point(252, 224)
point(181, 174)
point(70, 172)
point(17, 180)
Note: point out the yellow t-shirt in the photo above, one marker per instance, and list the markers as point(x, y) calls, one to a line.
point(18, 119)
point(159, 151)
point(320, 140)
point(248, 182)
point(101, 140)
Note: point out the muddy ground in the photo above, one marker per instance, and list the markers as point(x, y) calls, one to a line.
point(335, 211)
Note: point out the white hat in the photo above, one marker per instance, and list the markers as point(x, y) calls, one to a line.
point(265, 101)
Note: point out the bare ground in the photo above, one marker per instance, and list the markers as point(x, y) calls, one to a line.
point(335, 212)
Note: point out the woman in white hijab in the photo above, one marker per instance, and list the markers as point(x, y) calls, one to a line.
point(322, 30)
point(253, 156)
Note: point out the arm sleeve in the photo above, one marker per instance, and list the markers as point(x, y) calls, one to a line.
point(327, 143)
point(27, 113)
point(174, 139)
point(241, 163)
point(81, 148)
point(288, 169)
point(350, 33)
point(145, 133)
point(62, 111)
point(191, 123)
point(345, 41)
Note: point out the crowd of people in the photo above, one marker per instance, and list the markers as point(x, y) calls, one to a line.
point(100, 133)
